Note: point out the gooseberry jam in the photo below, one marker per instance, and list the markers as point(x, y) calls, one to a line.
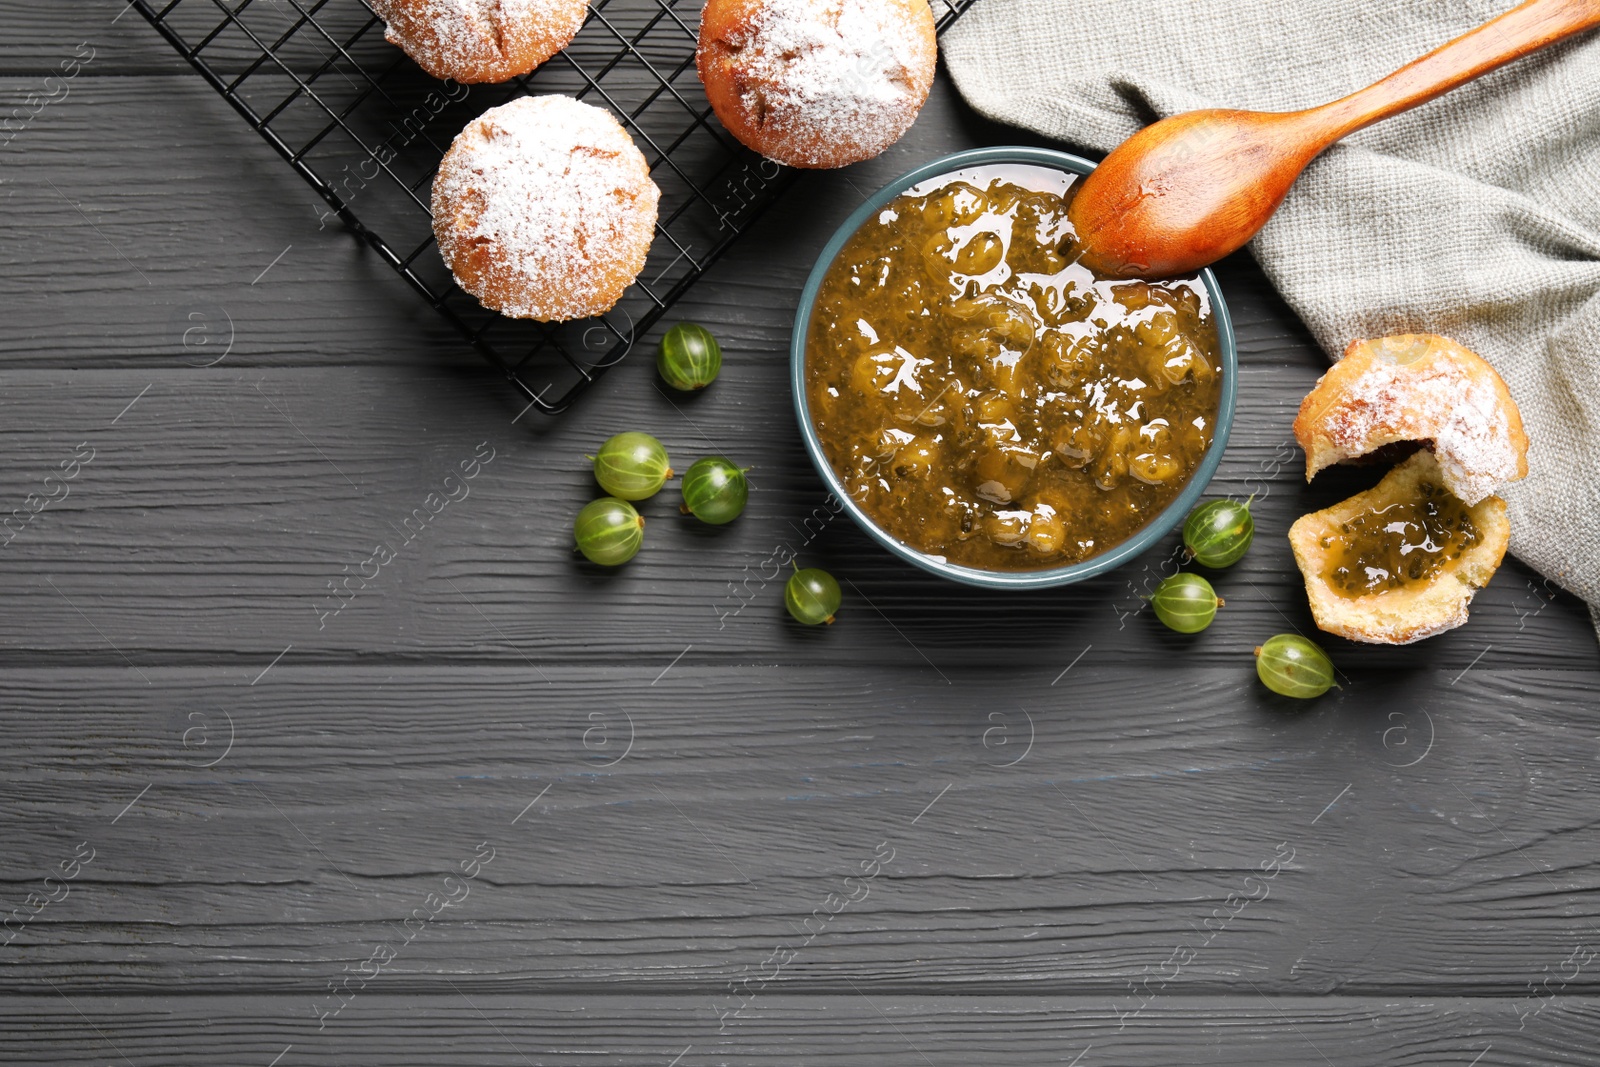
point(988, 400)
point(1392, 547)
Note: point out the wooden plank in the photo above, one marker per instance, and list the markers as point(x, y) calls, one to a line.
point(841, 1031)
point(658, 828)
point(173, 255)
point(38, 37)
point(216, 510)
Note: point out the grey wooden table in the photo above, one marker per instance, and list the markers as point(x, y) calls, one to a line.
point(504, 809)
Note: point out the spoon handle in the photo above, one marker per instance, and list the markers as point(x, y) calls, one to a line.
point(1521, 30)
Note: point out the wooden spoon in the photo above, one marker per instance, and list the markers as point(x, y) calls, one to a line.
point(1189, 189)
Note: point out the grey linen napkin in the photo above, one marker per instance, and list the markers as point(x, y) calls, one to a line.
point(1476, 216)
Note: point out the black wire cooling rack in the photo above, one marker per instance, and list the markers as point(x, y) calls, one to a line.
point(366, 128)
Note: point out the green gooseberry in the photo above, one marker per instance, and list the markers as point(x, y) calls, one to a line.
point(1186, 603)
point(689, 358)
point(632, 466)
point(608, 531)
point(714, 490)
point(1219, 533)
point(812, 596)
point(1292, 666)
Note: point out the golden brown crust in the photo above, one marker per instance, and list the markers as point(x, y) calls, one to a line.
point(474, 41)
point(1417, 387)
point(1411, 613)
point(544, 209)
point(817, 83)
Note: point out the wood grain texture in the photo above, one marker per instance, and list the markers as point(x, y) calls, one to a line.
point(218, 509)
point(1068, 838)
point(38, 37)
point(844, 1029)
point(485, 685)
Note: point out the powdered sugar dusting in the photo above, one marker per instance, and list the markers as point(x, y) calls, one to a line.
point(465, 32)
point(1440, 400)
point(826, 70)
point(480, 40)
point(544, 208)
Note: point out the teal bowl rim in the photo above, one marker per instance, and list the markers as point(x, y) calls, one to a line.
point(1134, 546)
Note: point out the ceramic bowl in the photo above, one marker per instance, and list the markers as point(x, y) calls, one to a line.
point(1115, 556)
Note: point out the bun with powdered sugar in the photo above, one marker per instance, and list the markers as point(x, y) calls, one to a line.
point(544, 209)
point(817, 83)
point(474, 41)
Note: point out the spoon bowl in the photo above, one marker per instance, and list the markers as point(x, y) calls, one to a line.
point(1186, 191)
